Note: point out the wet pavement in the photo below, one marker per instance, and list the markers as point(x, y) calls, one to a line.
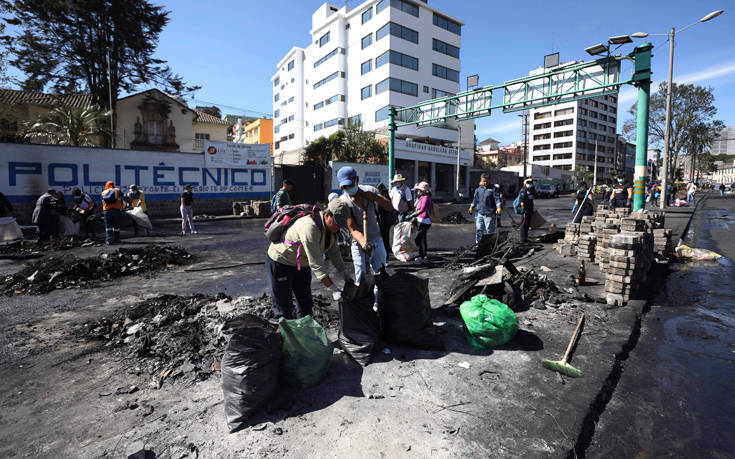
point(676, 395)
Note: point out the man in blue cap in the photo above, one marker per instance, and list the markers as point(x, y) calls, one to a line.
point(362, 201)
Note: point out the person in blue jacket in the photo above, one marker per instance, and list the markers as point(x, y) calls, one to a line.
point(486, 206)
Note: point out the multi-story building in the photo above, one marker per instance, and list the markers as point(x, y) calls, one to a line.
point(724, 144)
point(566, 135)
point(258, 131)
point(359, 62)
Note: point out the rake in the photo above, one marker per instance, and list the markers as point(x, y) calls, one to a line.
point(561, 365)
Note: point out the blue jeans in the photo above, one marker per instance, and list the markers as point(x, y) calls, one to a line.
point(378, 258)
point(484, 224)
point(112, 225)
point(286, 280)
point(690, 199)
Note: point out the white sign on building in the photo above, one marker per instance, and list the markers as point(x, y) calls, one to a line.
point(370, 174)
point(230, 154)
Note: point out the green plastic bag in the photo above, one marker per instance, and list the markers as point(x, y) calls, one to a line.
point(307, 352)
point(488, 323)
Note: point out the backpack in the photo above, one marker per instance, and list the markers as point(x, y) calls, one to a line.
point(109, 196)
point(284, 217)
point(517, 205)
point(274, 206)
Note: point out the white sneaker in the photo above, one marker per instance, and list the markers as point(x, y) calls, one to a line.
point(194, 232)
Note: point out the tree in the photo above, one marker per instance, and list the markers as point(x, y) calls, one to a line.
point(213, 110)
point(318, 153)
point(65, 125)
point(64, 44)
point(691, 105)
point(700, 139)
point(353, 145)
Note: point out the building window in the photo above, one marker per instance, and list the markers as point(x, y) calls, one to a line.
point(447, 24)
point(542, 136)
point(277, 129)
point(563, 122)
point(396, 85)
point(319, 105)
point(563, 145)
point(318, 127)
point(334, 98)
point(542, 158)
point(542, 126)
point(583, 111)
point(324, 39)
point(366, 92)
point(435, 93)
point(354, 120)
point(563, 134)
point(612, 119)
point(542, 115)
point(399, 31)
point(290, 65)
point(276, 97)
point(383, 4)
point(291, 99)
point(334, 122)
point(445, 72)
point(327, 79)
point(277, 82)
point(563, 156)
point(445, 48)
point(325, 58)
point(367, 15)
point(277, 113)
point(367, 40)
point(366, 66)
point(394, 57)
point(545, 146)
point(564, 111)
point(382, 114)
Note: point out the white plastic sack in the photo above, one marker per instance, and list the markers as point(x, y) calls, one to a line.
point(68, 227)
point(9, 229)
point(141, 218)
point(404, 247)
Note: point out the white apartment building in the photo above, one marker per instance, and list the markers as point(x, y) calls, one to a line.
point(360, 61)
point(564, 135)
point(724, 144)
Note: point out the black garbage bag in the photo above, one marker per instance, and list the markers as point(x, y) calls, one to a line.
point(359, 329)
point(405, 311)
point(249, 367)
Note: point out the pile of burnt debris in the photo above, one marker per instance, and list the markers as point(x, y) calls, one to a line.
point(69, 271)
point(455, 218)
point(492, 247)
point(24, 249)
point(171, 337)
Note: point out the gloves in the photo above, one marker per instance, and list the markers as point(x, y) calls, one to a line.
point(470, 211)
point(336, 292)
point(499, 210)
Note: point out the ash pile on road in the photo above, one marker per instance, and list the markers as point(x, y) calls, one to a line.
point(172, 336)
point(24, 249)
point(492, 247)
point(72, 272)
point(455, 218)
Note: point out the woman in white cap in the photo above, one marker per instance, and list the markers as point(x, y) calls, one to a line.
point(423, 216)
point(400, 197)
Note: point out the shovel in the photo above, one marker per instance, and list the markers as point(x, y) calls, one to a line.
point(367, 261)
point(561, 365)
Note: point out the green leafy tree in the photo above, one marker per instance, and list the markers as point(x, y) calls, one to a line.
point(318, 153)
point(64, 45)
point(352, 145)
point(70, 126)
point(697, 143)
point(213, 110)
point(691, 105)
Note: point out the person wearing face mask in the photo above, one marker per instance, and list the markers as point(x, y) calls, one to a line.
point(527, 195)
point(621, 194)
point(363, 201)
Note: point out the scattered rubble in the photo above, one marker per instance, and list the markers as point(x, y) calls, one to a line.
point(68, 271)
point(172, 336)
point(24, 249)
point(455, 218)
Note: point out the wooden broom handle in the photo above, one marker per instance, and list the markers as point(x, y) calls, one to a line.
point(574, 338)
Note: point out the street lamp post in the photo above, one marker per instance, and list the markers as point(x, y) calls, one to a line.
point(667, 130)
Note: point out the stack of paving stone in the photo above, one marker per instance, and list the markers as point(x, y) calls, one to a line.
point(630, 259)
point(568, 246)
point(586, 226)
point(632, 224)
point(602, 246)
point(586, 247)
point(662, 242)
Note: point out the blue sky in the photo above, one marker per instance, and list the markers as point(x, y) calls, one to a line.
point(231, 48)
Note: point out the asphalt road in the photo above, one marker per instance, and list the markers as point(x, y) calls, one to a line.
point(675, 398)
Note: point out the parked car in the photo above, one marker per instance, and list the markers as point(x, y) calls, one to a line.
point(547, 191)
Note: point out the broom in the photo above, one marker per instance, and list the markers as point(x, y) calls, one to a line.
point(561, 365)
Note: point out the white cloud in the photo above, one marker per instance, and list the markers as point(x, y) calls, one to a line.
point(629, 94)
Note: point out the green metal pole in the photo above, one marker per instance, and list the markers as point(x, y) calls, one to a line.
point(641, 145)
point(391, 142)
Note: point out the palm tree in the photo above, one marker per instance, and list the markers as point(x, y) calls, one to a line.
point(64, 125)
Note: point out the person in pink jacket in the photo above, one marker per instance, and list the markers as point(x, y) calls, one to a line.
point(423, 217)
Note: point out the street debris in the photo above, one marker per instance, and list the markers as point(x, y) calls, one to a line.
point(25, 249)
point(455, 218)
point(68, 271)
point(684, 251)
